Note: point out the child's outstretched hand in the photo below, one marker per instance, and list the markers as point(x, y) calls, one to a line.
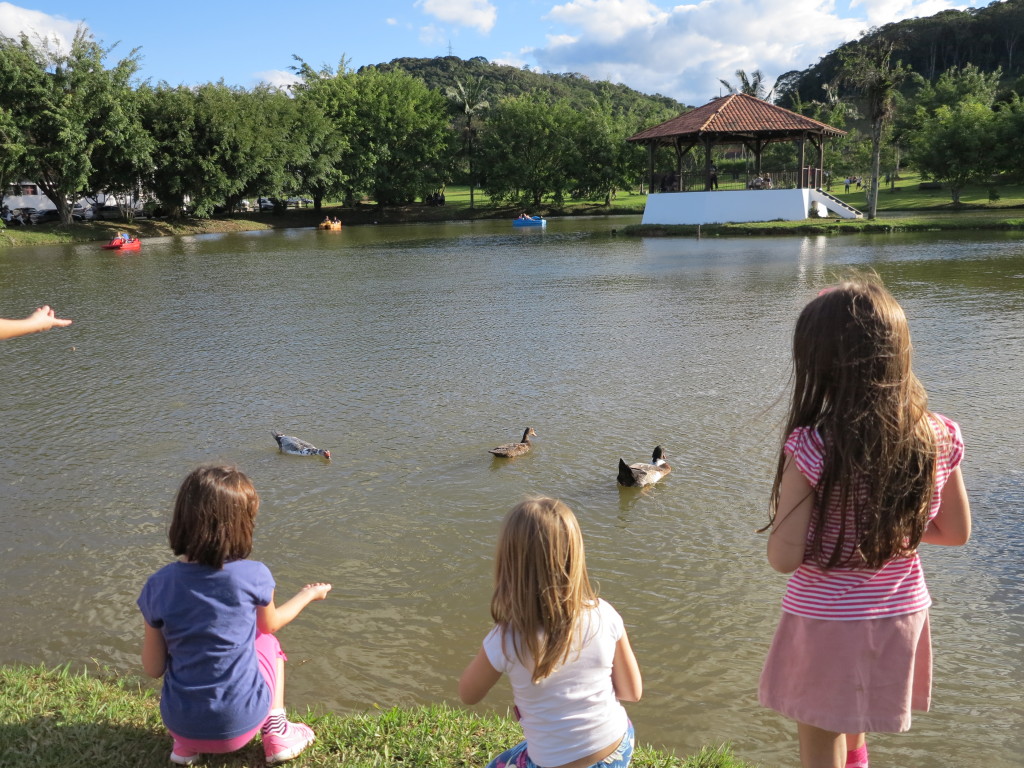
point(45, 318)
point(317, 590)
point(271, 617)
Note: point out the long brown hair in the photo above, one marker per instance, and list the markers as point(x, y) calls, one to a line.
point(853, 383)
point(214, 515)
point(540, 583)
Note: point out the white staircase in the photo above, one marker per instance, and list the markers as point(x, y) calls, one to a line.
point(834, 204)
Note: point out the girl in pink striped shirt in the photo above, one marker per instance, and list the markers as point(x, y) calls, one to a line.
point(865, 475)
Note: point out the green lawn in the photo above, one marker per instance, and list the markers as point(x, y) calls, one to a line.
point(52, 718)
point(906, 195)
point(623, 202)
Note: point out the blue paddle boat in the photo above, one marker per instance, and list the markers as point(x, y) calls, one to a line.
point(529, 221)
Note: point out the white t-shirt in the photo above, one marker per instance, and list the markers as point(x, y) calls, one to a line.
point(573, 712)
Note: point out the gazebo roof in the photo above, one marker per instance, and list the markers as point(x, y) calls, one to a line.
point(735, 118)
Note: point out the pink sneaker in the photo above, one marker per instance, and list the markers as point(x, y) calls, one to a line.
point(291, 743)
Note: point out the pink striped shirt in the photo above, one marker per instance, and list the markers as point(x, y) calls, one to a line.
point(895, 589)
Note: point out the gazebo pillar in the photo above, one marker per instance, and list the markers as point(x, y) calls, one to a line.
point(709, 143)
point(650, 167)
point(821, 164)
point(804, 181)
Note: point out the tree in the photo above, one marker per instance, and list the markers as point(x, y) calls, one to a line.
point(121, 169)
point(957, 84)
point(1009, 144)
point(525, 149)
point(270, 143)
point(469, 100)
point(11, 150)
point(401, 135)
point(754, 85)
point(170, 116)
point(601, 161)
point(956, 145)
point(869, 69)
point(325, 100)
point(1008, 24)
point(69, 112)
point(216, 144)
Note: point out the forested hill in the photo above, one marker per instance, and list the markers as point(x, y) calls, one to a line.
point(501, 80)
point(989, 38)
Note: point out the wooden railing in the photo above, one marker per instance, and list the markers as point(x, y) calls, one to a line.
point(804, 178)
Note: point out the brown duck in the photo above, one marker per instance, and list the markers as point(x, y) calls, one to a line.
point(510, 450)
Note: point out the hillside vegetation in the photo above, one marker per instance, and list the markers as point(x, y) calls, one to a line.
point(989, 38)
point(501, 81)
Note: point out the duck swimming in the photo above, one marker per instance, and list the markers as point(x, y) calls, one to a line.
point(511, 450)
point(642, 473)
point(298, 446)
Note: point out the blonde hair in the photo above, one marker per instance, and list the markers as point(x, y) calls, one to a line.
point(540, 583)
point(854, 385)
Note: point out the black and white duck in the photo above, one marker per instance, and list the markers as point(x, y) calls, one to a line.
point(299, 447)
point(511, 450)
point(643, 473)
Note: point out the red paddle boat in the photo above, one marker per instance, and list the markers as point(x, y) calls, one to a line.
point(121, 244)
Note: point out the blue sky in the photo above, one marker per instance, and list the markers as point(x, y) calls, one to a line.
point(680, 50)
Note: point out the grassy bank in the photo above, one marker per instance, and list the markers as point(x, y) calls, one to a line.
point(52, 718)
point(905, 207)
point(902, 207)
point(931, 221)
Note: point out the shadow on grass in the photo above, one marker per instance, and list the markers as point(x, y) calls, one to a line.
point(47, 741)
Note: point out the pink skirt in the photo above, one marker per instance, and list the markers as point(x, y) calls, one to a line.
point(858, 676)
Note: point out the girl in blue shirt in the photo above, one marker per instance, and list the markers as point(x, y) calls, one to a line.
point(210, 618)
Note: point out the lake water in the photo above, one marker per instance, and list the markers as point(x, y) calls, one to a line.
point(408, 351)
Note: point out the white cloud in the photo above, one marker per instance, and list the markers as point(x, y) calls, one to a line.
point(509, 61)
point(879, 12)
point(683, 51)
point(279, 78)
point(15, 20)
point(556, 41)
point(607, 20)
point(480, 14)
point(432, 35)
point(391, 22)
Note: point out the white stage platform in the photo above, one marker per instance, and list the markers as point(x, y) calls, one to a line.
point(741, 205)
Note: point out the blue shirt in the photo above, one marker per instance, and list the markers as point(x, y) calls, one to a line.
point(213, 688)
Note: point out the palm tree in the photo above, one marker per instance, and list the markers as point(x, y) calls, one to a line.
point(867, 67)
point(469, 99)
point(751, 86)
point(754, 85)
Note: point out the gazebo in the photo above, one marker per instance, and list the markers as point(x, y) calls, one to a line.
point(740, 120)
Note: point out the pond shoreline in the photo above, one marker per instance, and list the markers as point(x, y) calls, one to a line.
point(292, 218)
point(943, 218)
point(930, 221)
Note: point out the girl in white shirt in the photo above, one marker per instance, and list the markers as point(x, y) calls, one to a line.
point(565, 650)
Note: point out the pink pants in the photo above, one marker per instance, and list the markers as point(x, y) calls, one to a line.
point(268, 651)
